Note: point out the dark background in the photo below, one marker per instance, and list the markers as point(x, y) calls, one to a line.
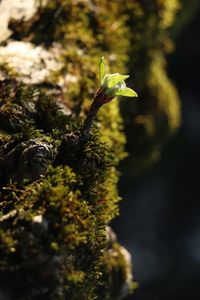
point(160, 214)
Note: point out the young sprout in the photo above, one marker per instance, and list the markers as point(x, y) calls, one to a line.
point(111, 85)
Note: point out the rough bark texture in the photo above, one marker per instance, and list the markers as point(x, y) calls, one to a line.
point(57, 195)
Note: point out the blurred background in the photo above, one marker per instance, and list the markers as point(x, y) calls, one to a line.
point(160, 214)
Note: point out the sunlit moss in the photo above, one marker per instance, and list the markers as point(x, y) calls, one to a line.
point(53, 241)
point(151, 121)
point(117, 272)
point(168, 10)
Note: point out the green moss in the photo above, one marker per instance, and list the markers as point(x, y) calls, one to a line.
point(59, 220)
point(152, 120)
point(53, 226)
point(4, 137)
point(117, 272)
point(70, 229)
point(134, 35)
point(6, 70)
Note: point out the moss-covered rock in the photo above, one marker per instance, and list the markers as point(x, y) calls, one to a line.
point(58, 195)
point(54, 208)
point(135, 36)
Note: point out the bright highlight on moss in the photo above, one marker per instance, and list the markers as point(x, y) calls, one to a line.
point(114, 84)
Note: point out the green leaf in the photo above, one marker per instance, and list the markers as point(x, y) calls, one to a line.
point(102, 69)
point(114, 79)
point(127, 92)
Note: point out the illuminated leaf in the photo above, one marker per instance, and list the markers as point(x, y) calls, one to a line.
point(127, 92)
point(114, 79)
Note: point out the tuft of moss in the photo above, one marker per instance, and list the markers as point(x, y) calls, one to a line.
point(53, 212)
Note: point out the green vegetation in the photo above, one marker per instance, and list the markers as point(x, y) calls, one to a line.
point(58, 195)
point(56, 200)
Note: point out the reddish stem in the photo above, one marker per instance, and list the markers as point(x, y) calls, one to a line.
point(100, 98)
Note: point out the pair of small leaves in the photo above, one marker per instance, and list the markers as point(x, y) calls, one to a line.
point(114, 83)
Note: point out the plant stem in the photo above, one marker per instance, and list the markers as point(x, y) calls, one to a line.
point(89, 120)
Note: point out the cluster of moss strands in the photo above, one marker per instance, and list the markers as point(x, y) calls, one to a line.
point(58, 221)
point(88, 33)
point(67, 226)
point(134, 35)
point(139, 29)
point(117, 273)
point(85, 31)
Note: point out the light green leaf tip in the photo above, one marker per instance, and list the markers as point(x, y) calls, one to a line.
point(114, 83)
point(102, 69)
point(127, 92)
point(114, 79)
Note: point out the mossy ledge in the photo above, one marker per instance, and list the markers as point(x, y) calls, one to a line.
point(56, 200)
